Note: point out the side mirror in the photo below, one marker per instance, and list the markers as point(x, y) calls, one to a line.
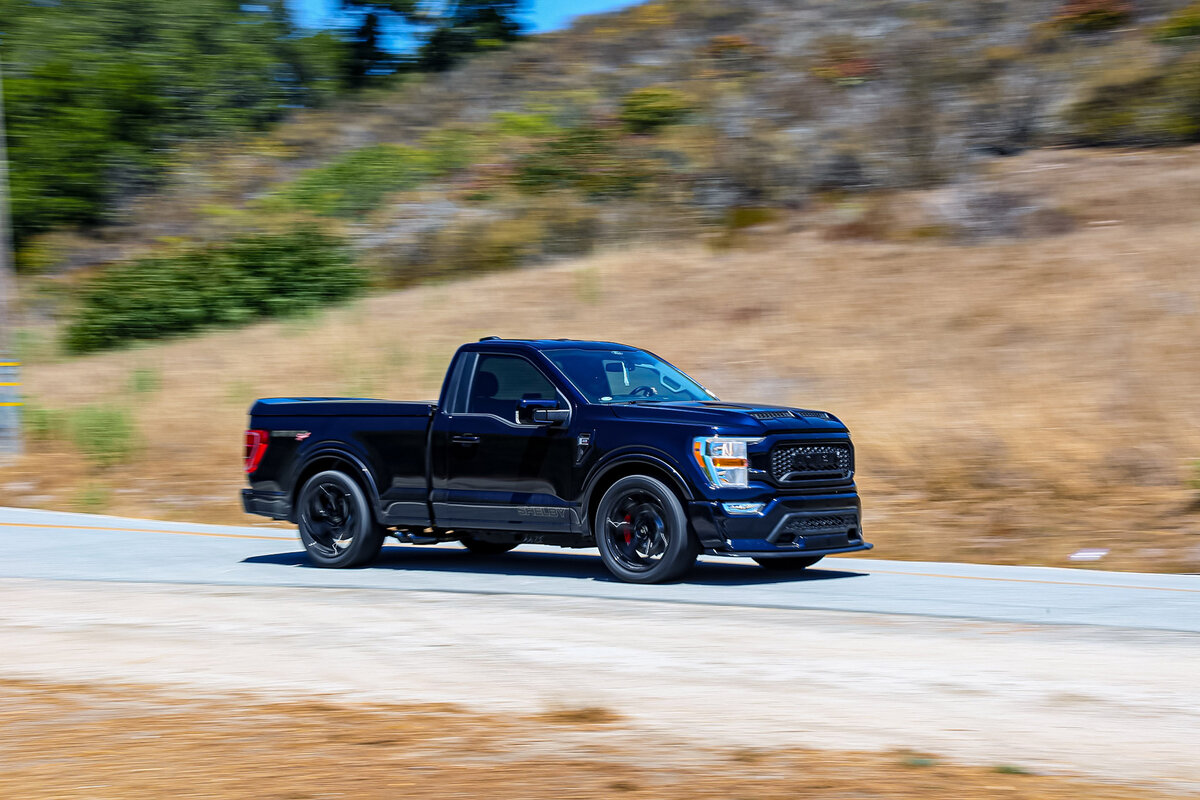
point(541, 411)
point(552, 416)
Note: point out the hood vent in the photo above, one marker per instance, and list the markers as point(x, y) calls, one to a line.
point(770, 414)
point(785, 414)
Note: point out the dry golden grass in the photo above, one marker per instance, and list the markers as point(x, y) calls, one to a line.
point(1011, 402)
point(130, 742)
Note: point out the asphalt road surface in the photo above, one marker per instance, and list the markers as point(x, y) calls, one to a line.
point(1063, 670)
point(63, 546)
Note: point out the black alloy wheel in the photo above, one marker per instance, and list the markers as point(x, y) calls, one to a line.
point(336, 524)
point(642, 532)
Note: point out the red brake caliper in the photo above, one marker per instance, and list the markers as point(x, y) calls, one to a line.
point(628, 529)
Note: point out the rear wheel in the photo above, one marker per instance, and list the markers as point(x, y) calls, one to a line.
point(788, 563)
point(336, 524)
point(642, 532)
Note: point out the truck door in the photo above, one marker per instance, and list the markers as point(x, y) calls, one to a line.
point(493, 467)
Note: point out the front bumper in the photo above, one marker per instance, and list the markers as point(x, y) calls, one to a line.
point(807, 525)
point(275, 505)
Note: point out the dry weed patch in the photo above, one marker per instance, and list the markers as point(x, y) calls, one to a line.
point(130, 742)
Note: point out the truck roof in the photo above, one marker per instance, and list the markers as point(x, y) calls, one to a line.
point(553, 344)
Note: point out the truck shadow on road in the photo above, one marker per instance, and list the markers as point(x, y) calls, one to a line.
point(585, 566)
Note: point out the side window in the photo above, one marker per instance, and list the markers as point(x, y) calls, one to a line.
point(501, 380)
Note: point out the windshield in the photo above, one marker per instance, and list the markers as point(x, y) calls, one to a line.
point(623, 376)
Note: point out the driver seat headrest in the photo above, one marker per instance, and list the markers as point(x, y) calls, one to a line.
point(486, 384)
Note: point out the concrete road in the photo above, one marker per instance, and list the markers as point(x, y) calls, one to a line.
point(62, 546)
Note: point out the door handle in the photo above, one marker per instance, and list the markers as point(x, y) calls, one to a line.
point(465, 438)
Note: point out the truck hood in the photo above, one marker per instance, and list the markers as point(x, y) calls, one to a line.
point(769, 419)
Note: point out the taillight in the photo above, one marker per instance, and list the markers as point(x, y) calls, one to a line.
point(256, 446)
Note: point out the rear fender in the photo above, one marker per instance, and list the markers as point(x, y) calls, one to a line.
point(330, 456)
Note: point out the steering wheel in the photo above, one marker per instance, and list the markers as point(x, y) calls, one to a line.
point(643, 391)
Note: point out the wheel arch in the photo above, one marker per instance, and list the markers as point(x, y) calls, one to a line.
point(343, 461)
point(639, 464)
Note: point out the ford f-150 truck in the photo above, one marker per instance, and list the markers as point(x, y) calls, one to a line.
point(559, 442)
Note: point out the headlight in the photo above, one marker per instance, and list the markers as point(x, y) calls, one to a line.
point(723, 459)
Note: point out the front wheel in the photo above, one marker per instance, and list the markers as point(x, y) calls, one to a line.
point(642, 532)
point(336, 524)
point(788, 563)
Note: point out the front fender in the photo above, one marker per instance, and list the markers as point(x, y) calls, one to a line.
point(621, 461)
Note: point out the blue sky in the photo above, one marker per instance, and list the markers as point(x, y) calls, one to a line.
point(540, 15)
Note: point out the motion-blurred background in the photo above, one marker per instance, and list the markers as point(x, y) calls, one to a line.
point(968, 227)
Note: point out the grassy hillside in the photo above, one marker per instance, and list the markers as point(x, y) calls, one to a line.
point(1012, 400)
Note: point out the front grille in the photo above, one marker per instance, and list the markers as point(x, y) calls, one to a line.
point(833, 522)
point(817, 531)
point(798, 463)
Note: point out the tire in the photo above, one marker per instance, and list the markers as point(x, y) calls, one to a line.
point(478, 547)
point(336, 524)
point(642, 532)
point(788, 563)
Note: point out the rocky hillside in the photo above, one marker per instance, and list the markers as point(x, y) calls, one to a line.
point(685, 118)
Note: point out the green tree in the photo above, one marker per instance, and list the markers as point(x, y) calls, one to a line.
point(469, 26)
point(451, 31)
point(100, 91)
point(366, 56)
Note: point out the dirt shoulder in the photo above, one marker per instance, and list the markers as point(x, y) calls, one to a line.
point(1111, 704)
point(75, 741)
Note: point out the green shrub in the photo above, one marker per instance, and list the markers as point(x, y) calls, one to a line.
point(30, 345)
point(521, 125)
point(1010, 769)
point(92, 497)
point(103, 434)
point(450, 149)
point(41, 423)
point(1160, 108)
point(358, 181)
point(646, 110)
point(231, 283)
point(1089, 16)
point(588, 159)
point(145, 380)
point(1182, 24)
point(486, 246)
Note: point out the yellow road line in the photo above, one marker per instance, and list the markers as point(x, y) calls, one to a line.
point(10, 384)
point(143, 530)
point(10, 364)
point(10, 405)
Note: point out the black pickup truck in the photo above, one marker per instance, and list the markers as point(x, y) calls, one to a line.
point(559, 442)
